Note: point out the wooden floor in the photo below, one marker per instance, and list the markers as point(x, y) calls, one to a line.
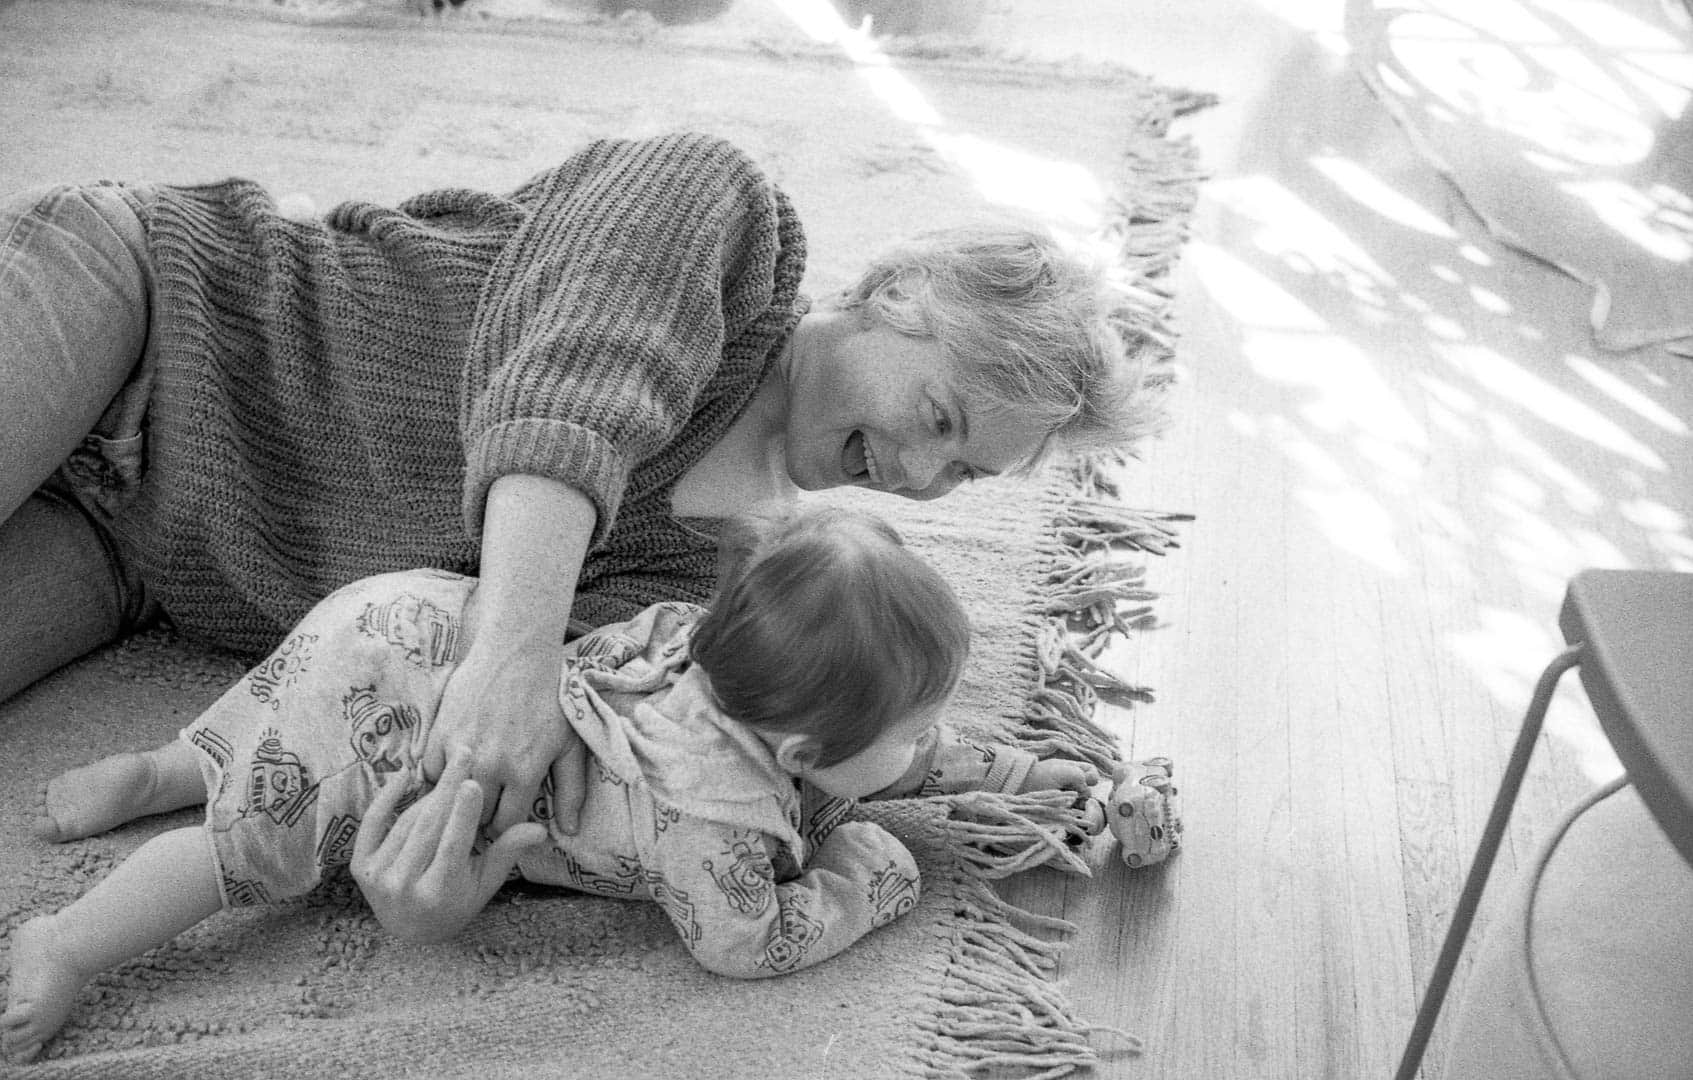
point(1399, 445)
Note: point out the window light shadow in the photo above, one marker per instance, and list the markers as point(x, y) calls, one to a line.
point(1064, 195)
point(1445, 422)
point(1588, 97)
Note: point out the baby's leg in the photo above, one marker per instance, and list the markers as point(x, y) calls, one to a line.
point(167, 886)
point(120, 788)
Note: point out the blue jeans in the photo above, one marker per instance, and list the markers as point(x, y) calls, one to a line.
point(75, 292)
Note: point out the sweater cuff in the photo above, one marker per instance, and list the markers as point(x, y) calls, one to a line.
point(1008, 770)
point(560, 451)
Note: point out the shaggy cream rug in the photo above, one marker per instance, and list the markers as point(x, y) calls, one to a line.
point(557, 984)
point(550, 983)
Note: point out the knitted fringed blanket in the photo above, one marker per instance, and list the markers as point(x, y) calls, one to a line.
point(1034, 681)
point(548, 983)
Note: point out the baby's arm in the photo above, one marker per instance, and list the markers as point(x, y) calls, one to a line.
point(947, 762)
point(168, 884)
point(719, 887)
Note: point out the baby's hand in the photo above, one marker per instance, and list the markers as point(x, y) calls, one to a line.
point(1058, 774)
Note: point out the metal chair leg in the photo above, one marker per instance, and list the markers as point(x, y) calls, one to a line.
point(1491, 836)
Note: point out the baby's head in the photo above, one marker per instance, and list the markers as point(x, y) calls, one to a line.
point(832, 640)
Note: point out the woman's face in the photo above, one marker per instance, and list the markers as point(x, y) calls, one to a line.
point(871, 407)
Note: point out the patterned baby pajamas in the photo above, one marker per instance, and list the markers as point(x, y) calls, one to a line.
point(684, 806)
point(294, 752)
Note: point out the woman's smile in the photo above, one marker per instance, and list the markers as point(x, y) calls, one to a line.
point(858, 458)
point(868, 406)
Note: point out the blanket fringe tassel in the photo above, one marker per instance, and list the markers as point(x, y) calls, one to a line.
point(999, 835)
point(999, 1012)
point(998, 1009)
point(1090, 596)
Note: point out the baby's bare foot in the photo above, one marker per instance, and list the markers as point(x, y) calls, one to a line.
point(41, 990)
point(89, 800)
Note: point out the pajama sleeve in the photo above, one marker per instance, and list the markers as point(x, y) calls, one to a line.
point(719, 887)
point(948, 761)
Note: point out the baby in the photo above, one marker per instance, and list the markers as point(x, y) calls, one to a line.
point(826, 657)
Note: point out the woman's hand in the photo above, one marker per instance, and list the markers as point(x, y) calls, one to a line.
point(419, 874)
point(500, 712)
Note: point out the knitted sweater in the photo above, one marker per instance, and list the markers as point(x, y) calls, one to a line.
point(334, 398)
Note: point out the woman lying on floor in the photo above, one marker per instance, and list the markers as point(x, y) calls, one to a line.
point(217, 415)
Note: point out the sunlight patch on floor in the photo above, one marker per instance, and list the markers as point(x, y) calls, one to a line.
point(1517, 387)
point(1513, 65)
point(1371, 191)
point(1314, 311)
point(1619, 391)
point(1507, 651)
point(1064, 195)
point(1587, 91)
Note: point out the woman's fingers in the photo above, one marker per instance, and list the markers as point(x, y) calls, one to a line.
point(506, 850)
point(456, 770)
point(570, 784)
point(487, 769)
point(436, 754)
point(426, 821)
point(378, 823)
point(441, 751)
point(450, 853)
point(516, 799)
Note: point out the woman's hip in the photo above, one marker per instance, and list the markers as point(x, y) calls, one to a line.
point(76, 289)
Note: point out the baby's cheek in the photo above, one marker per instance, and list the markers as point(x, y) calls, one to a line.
point(888, 767)
point(865, 773)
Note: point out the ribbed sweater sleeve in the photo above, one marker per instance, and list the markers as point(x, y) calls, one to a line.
point(607, 311)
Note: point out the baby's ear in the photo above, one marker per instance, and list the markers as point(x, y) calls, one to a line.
point(794, 753)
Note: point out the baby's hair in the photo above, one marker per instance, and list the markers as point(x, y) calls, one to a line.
point(1032, 327)
point(826, 625)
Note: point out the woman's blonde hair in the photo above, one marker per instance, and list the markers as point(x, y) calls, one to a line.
point(1030, 326)
point(826, 625)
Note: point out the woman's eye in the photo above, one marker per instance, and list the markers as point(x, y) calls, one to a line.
point(943, 422)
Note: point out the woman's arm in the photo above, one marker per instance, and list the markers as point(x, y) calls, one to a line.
point(501, 705)
point(500, 723)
